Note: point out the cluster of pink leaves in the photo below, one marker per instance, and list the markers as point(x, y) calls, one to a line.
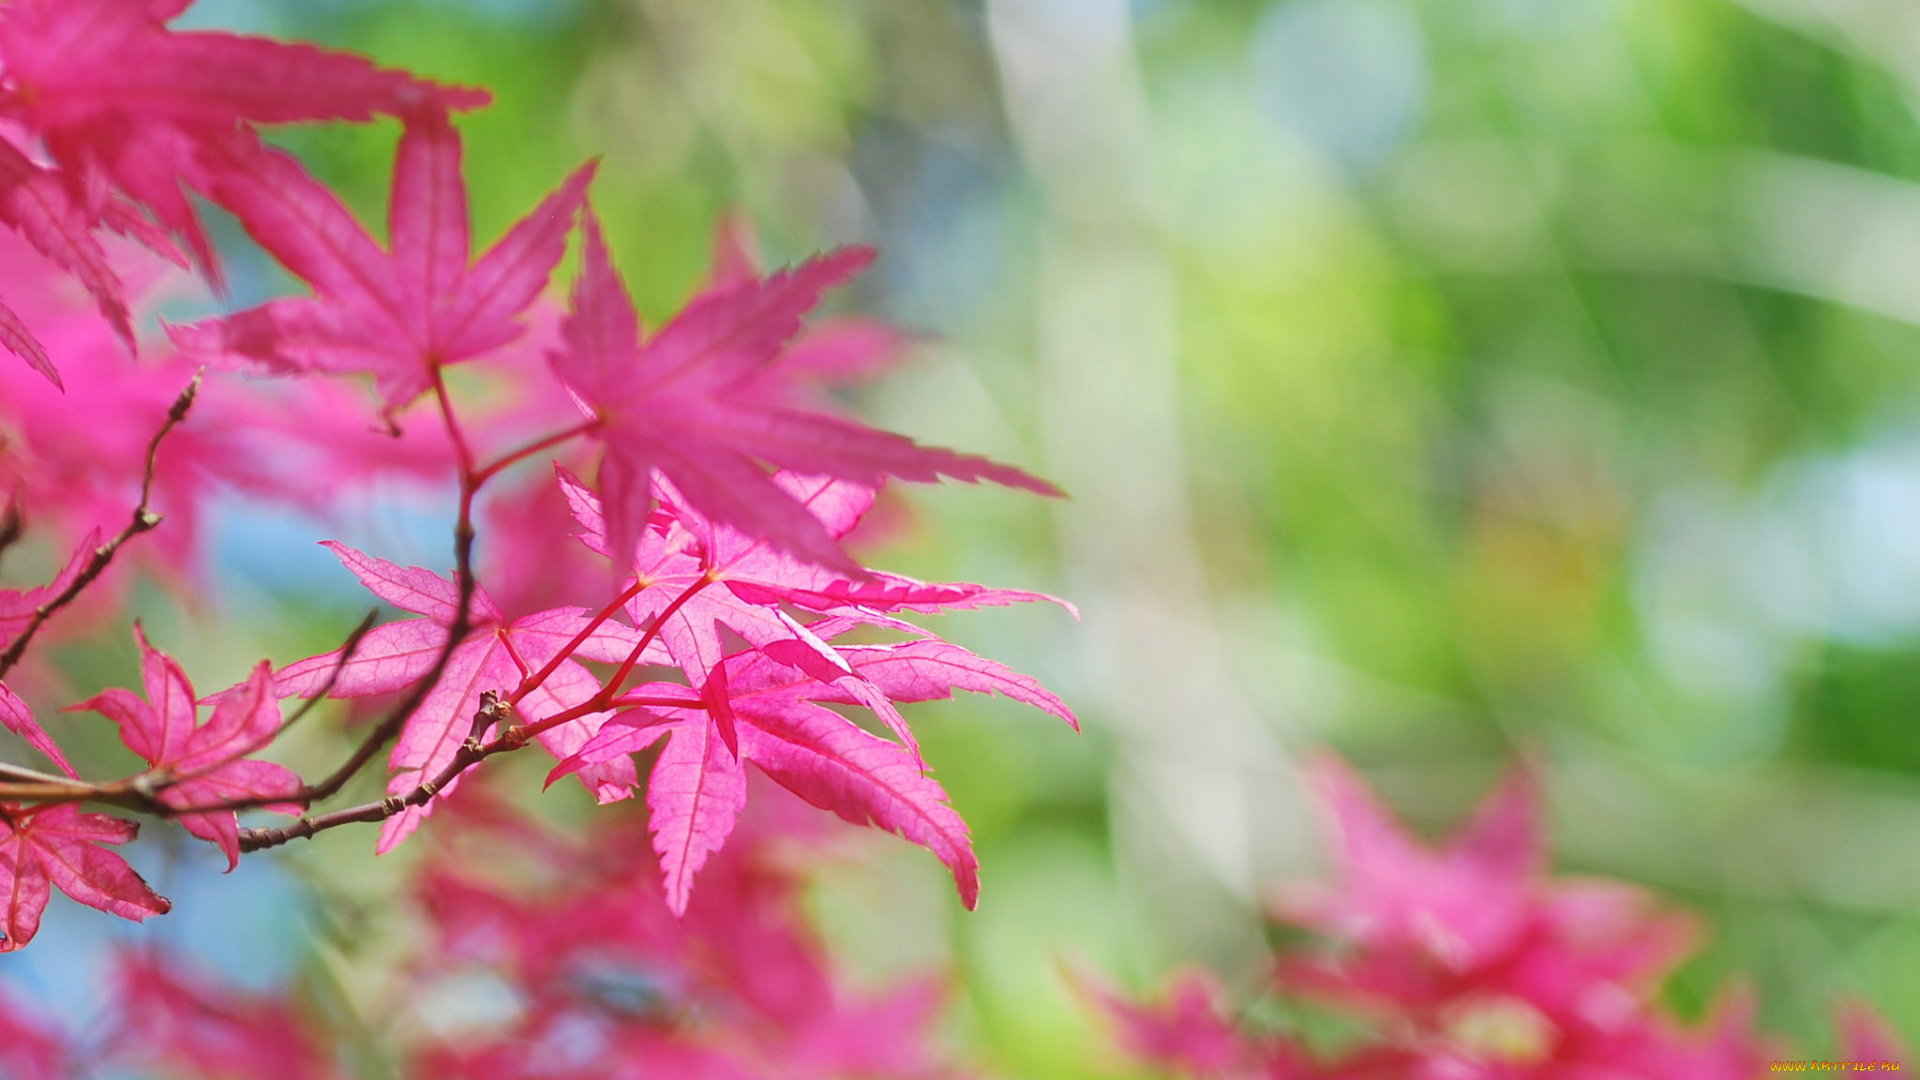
point(600, 980)
point(1466, 963)
point(696, 582)
point(118, 116)
point(723, 482)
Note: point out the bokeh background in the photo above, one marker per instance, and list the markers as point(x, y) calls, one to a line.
point(1435, 380)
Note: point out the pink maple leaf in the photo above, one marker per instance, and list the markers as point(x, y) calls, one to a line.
point(52, 846)
point(206, 764)
point(1475, 920)
point(496, 655)
point(682, 554)
point(18, 340)
point(126, 104)
point(1500, 970)
point(699, 787)
point(783, 727)
point(682, 545)
point(765, 705)
point(400, 314)
point(76, 461)
point(706, 401)
point(1459, 906)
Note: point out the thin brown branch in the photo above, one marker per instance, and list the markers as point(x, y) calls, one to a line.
point(457, 630)
point(140, 793)
point(144, 520)
point(493, 710)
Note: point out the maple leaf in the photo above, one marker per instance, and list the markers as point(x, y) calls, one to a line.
point(698, 787)
point(126, 104)
point(19, 341)
point(58, 846)
point(682, 553)
point(783, 728)
point(1459, 906)
point(699, 780)
point(682, 544)
point(206, 763)
point(1476, 918)
point(1500, 970)
point(705, 400)
point(400, 314)
point(496, 655)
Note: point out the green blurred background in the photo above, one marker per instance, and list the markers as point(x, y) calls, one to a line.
point(1433, 379)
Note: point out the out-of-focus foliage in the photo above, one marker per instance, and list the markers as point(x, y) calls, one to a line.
point(1432, 377)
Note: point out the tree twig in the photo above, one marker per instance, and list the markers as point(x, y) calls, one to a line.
point(456, 630)
point(144, 520)
point(493, 710)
